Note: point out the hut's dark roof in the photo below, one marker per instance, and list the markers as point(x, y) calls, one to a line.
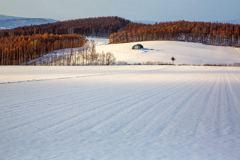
point(137, 46)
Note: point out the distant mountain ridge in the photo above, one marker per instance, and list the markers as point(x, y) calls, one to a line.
point(145, 22)
point(236, 21)
point(9, 22)
point(5, 17)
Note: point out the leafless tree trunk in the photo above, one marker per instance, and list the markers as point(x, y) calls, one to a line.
point(110, 58)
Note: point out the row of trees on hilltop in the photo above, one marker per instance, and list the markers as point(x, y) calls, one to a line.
point(21, 49)
point(99, 27)
point(202, 32)
point(77, 56)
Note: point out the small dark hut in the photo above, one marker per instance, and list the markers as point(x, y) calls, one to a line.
point(137, 46)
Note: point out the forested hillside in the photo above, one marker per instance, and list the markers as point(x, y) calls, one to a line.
point(203, 32)
point(99, 27)
point(21, 49)
point(23, 44)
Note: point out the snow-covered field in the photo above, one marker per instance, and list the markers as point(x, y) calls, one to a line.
point(184, 52)
point(99, 41)
point(119, 112)
point(157, 52)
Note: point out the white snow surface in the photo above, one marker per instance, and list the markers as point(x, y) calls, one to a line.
point(183, 52)
point(119, 112)
point(186, 53)
point(99, 41)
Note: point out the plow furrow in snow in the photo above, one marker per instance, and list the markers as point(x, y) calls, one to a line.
point(144, 112)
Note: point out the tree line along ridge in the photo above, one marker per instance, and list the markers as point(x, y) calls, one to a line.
point(97, 27)
point(21, 49)
point(202, 32)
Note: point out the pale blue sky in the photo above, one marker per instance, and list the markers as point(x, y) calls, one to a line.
point(152, 10)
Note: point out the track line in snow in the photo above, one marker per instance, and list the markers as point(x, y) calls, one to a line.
point(167, 112)
point(133, 97)
point(159, 104)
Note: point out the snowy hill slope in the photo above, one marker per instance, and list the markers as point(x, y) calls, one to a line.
point(184, 52)
point(119, 112)
point(162, 51)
